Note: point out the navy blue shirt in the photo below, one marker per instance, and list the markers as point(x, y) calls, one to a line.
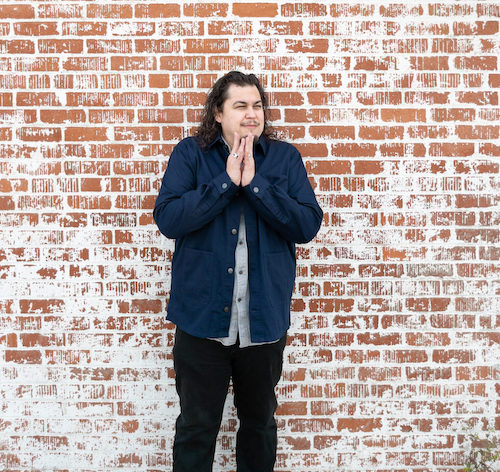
point(199, 206)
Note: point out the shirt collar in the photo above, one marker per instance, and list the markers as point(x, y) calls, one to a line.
point(262, 142)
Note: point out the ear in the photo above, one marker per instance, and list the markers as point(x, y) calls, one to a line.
point(217, 115)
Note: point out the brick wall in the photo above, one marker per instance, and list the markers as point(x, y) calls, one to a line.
point(394, 107)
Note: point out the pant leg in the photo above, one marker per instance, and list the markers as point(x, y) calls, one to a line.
point(202, 373)
point(256, 372)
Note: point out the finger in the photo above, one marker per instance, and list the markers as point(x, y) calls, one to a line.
point(236, 155)
point(236, 142)
point(243, 146)
point(241, 149)
point(249, 147)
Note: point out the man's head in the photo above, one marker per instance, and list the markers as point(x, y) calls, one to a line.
point(236, 103)
point(241, 112)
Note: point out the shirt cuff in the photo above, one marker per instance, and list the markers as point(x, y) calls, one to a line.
point(225, 185)
point(257, 186)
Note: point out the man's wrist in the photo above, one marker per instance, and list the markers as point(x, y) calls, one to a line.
point(243, 184)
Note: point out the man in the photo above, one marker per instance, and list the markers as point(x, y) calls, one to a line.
point(235, 201)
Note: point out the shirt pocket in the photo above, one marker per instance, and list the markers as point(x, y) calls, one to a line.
point(280, 272)
point(193, 276)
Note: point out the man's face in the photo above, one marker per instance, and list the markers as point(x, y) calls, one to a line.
point(242, 112)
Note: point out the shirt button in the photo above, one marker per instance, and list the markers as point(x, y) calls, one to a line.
point(234, 231)
point(226, 309)
point(239, 299)
point(224, 185)
point(240, 243)
point(230, 270)
point(256, 189)
point(240, 272)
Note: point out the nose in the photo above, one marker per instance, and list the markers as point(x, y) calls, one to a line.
point(250, 112)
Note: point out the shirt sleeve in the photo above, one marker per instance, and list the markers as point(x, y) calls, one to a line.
point(183, 206)
point(294, 214)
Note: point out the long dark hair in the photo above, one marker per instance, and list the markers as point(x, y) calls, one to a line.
point(209, 127)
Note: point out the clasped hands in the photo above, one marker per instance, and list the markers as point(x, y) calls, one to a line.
point(240, 163)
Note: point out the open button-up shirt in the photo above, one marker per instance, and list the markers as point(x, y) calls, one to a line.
point(199, 206)
point(239, 325)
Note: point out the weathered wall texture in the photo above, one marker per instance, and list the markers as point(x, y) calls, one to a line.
point(394, 107)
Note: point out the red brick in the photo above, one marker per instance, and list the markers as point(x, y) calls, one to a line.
point(159, 80)
point(205, 10)
point(494, 80)
point(354, 425)
point(22, 46)
point(37, 29)
point(58, 46)
point(85, 64)
point(23, 356)
point(453, 355)
point(85, 134)
point(137, 99)
point(109, 11)
point(157, 10)
point(292, 408)
point(303, 10)
point(280, 27)
point(184, 98)
point(39, 134)
point(84, 28)
point(381, 132)
point(17, 11)
point(60, 11)
point(239, 28)
point(481, 28)
point(8, 340)
point(332, 132)
point(5, 134)
point(306, 46)
point(89, 203)
point(158, 115)
point(477, 132)
point(104, 46)
point(346, 10)
point(206, 46)
point(182, 63)
point(111, 116)
point(255, 9)
point(32, 99)
point(136, 133)
point(478, 98)
point(476, 63)
point(90, 99)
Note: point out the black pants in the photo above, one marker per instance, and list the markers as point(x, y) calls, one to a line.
point(202, 371)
